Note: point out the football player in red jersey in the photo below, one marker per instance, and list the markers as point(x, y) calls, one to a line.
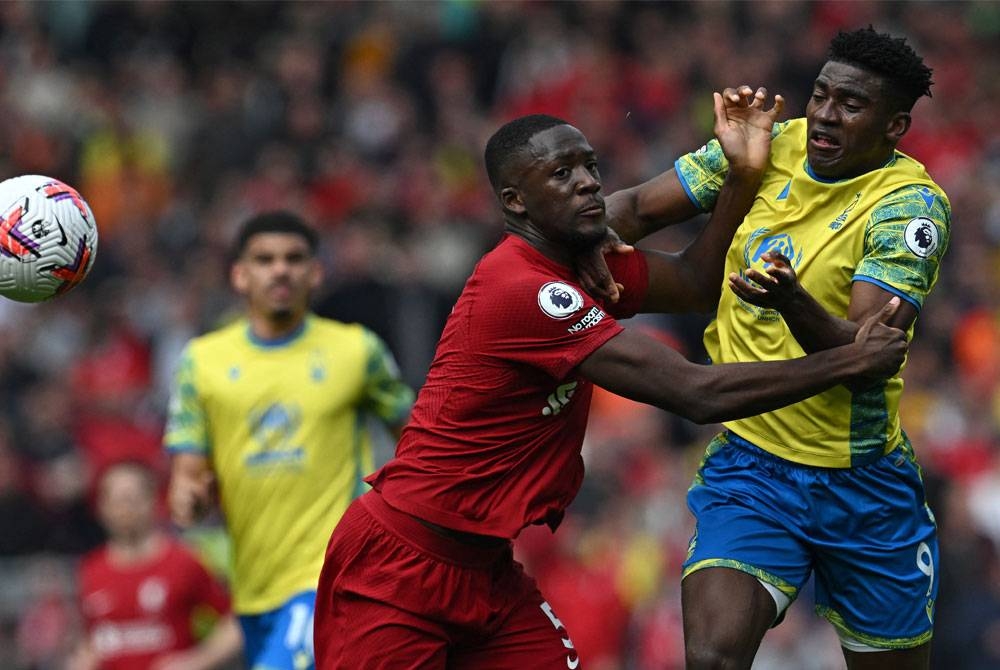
point(419, 572)
point(143, 595)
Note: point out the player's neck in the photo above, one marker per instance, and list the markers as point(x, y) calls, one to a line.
point(542, 245)
point(129, 550)
point(269, 328)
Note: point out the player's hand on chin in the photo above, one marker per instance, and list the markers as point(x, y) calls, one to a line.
point(592, 269)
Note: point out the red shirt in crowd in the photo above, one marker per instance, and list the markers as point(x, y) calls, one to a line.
point(138, 612)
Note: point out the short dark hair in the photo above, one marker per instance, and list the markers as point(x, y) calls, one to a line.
point(509, 141)
point(890, 57)
point(278, 221)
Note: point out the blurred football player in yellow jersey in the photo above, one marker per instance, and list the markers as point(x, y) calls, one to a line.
point(270, 413)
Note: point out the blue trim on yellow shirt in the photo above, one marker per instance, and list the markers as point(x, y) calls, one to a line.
point(886, 287)
point(824, 180)
point(278, 341)
point(188, 448)
point(684, 185)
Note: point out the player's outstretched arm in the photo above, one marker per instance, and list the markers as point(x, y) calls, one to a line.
point(643, 369)
point(810, 323)
point(190, 495)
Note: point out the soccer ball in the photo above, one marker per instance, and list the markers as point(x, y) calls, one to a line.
point(48, 238)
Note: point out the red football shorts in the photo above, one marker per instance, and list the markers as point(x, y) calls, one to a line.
point(395, 594)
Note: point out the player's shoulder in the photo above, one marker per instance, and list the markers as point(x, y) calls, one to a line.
point(223, 338)
point(320, 329)
point(324, 325)
point(915, 195)
point(789, 130)
point(515, 278)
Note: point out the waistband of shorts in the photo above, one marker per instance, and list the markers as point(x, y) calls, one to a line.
point(859, 462)
point(416, 532)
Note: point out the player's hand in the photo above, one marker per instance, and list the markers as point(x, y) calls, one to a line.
point(592, 269)
point(775, 288)
point(743, 126)
point(883, 347)
point(190, 497)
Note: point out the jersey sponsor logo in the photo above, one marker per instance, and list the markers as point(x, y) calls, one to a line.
point(273, 428)
point(559, 399)
point(781, 243)
point(589, 320)
point(921, 236)
point(559, 300)
point(759, 243)
point(131, 637)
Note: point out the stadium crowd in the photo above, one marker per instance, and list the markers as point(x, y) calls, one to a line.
point(176, 120)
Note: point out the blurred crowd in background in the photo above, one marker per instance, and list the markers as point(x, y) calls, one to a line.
point(177, 120)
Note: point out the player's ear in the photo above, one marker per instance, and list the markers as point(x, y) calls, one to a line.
point(238, 277)
point(510, 199)
point(315, 274)
point(899, 123)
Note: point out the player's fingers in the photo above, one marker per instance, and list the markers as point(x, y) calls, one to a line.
point(760, 277)
point(742, 287)
point(758, 98)
point(719, 109)
point(777, 107)
point(888, 310)
point(718, 102)
point(776, 258)
point(619, 247)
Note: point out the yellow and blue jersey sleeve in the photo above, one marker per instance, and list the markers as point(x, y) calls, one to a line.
point(702, 172)
point(186, 429)
point(906, 237)
point(387, 396)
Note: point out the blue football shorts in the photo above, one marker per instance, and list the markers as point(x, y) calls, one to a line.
point(866, 533)
point(282, 638)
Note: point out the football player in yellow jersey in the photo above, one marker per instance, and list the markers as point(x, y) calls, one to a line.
point(270, 414)
point(827, 487)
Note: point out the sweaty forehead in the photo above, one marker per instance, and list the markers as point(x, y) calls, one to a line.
point(558, 141)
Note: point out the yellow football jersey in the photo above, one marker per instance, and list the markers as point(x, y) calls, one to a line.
point(889, 227)
point(283, 424)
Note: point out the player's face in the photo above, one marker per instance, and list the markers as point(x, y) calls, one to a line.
point(850, 127)
point(126, 504)
point(560, 189)
point(276, 273)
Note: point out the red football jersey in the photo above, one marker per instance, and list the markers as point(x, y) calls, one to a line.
point(493, 443)
point(136, 613)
